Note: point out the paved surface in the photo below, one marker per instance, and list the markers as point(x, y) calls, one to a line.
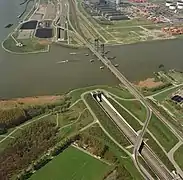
point(151, 159)
point(171, 157)
point(121, 147)
point(63, 17)
point(131, 89)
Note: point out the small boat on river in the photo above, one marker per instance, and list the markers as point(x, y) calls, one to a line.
point(8, 25)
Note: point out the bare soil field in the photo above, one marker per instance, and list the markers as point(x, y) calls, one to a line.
point(149, 83)
point(38, 100)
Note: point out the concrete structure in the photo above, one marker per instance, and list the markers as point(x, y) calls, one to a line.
point(172, 7)
point(168, 3)
point(118, 2)
point(180, 6)
point(109, 12)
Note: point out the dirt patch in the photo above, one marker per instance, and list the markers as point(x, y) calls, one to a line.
point(38, 100)
point(44, 42)
point(149, 83)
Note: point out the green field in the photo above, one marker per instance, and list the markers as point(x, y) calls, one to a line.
point(135, 107)
point(118, 91)
point(30, 45)
point(72, 164)
point(162, 96)
point(158, 151)
point(178, 76)
point(165, 137)
point(127, 167)
point(129, 119)
point(178, 156)
point(107, 122)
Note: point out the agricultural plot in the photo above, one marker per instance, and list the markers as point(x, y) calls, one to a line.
point(165, 137)
point(72, 164)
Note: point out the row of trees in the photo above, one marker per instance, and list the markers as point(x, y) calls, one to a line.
point(96, 147)
point(97, 139)
point(32, 142)
point(15, 116)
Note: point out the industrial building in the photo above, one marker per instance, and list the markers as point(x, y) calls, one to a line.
point(178, 96)
point(107, 10)
point(174, 5)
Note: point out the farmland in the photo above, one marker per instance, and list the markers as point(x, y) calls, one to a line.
point(72, 164)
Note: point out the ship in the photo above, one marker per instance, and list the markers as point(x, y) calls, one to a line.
point(8, 25)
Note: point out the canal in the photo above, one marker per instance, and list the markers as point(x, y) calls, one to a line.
point(41, 74)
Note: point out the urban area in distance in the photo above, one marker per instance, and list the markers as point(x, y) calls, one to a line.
point(91, 90)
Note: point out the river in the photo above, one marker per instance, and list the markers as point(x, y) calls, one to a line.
point(41, 74)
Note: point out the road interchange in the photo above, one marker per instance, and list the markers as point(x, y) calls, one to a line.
point(133, 91)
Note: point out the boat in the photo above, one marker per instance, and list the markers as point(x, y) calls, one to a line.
point(116, 65)
point(91, 60)
point(86, 54)
point(106, 52)
point(8, 25)
point(113, 57)
point(64, 61)
point(101, 67)
point(72, 53)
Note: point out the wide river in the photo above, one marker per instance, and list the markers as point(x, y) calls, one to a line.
point(41, 74)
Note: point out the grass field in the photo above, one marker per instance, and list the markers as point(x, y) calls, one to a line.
point(118, 91)
point(135, 107)
point(30, 45)
point(164, 95)
point(177, 76)
point(159, 152)
point(128, 169)
point(106, 122)
point(165, 137)
point(72, 164)
point(178, 156)
point(175, 124)
point(129, 119)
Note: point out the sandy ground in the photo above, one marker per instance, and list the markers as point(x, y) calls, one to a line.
point(44, 42)
point(149, 83)
point(38, 100)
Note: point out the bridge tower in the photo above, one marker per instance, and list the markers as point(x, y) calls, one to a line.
point(97, 44)
point(102, 49)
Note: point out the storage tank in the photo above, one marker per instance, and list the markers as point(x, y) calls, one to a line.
point(172, 7)
point(168, 3)
point(180, 6)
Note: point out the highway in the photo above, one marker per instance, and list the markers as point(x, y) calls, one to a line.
point(162, 172)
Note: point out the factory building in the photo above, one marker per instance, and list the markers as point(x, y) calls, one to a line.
point(109, 12)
